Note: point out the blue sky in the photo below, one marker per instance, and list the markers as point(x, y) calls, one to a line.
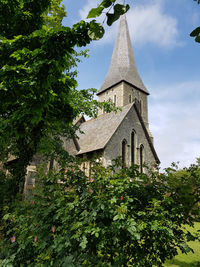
point(168, 61)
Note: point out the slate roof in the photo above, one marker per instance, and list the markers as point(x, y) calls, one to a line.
point(123, 66)
point(97, 132)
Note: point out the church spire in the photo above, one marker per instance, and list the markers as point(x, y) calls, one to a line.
point(123, 66)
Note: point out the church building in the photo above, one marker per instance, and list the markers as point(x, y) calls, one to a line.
point(125, 133)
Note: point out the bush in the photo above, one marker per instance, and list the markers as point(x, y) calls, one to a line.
point(115, 217)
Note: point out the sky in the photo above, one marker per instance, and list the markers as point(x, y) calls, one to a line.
point(168, 61)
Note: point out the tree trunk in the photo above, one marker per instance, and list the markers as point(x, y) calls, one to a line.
point(26, 149)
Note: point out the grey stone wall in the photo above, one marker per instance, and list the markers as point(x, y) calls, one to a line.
point(125, 94)
point(114, 146)
point(110, 95)
point(128, 91)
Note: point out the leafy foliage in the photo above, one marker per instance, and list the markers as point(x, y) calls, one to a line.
point(21, 17)
point(54, 15)
point(118, 10)
point(192, 259)
point(196, 33)
point(187, 182)
point(114, 217)
point(38, 79)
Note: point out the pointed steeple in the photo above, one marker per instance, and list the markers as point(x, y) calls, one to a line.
point(123, 66)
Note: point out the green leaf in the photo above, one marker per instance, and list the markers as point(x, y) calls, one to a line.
point(6, 217)
point(118, 11)
point(95, 12)
point(112, 18)
point(137, 236)
point(195, 32)
point(96, 234)
point(121, 9)
point(107, 3)
point(132, 229)
point(84, 242)
point(102, 206)
point(113, 200)
point(197, 39)
point(116, 217)
point(96, 31)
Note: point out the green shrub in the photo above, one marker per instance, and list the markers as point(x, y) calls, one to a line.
point(115, 217)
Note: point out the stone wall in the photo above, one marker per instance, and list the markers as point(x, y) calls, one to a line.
point(116, 92)
point(123, 94)
point(131, 92)
point(114, 146)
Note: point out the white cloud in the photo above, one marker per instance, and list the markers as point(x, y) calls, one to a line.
point(85, 10)
point(148, 23)
point(174, 122)
point(195, 19)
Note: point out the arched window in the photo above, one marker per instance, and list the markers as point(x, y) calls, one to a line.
point(115, 100)
point(133, 141)
point(141, 158)
point(141, 107)
point(104, 108)
point(124, 153)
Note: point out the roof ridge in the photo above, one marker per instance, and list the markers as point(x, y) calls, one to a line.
point(94, 130)
point(105, 114)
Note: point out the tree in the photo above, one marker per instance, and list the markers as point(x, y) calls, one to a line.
point(37, 80)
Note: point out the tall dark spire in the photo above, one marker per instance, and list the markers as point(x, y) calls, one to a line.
point(123, 66)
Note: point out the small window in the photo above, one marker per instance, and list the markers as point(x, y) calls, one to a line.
point(130, 99)
point(141, 158)
point(124, 153)
point(104, 108)
point(133, 142)
point(140, 106)
point(115, 100)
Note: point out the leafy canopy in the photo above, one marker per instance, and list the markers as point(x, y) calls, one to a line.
point(38, 79)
